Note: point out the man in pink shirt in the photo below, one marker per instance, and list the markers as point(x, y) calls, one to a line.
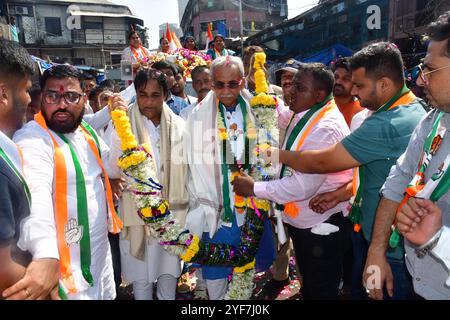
point(319, 239)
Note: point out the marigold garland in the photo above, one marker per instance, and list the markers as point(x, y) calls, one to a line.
point(186, 59)
point(192, 249)
point(131, 159)
point(245, 268)
point(139, 167)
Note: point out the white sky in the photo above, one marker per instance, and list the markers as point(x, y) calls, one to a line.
point(157, 12)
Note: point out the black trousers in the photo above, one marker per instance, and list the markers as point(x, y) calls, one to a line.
point(115, 255)
point(320, 259)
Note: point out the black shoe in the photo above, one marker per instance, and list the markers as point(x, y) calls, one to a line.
point(273, 288)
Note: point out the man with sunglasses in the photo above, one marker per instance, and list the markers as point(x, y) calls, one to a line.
point(73, 206)
point(209, 181)
point(378, 82)
point(424, 220)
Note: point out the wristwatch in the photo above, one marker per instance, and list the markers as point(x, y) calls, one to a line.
point(423, 250)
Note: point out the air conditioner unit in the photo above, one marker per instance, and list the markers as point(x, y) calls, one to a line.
point(21, 10)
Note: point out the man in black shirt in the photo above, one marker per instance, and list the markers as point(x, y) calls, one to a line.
point(20, 277)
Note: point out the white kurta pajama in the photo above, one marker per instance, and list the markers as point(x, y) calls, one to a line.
point(204, 158)
point(39, 231)
point(157, 262)
point(204, 166)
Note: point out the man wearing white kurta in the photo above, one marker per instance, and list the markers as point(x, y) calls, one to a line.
point(62, 105)
point(144, 260)
point(204, 158)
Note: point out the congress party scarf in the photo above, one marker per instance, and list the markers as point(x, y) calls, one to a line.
point(298, 136)
point(439, 182)
point(71, 210)
point(403, 97)
point(12, 155)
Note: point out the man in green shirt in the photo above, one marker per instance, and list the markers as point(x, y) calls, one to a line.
point(378, 82)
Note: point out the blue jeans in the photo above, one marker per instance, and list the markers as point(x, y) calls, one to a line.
point(403, 287)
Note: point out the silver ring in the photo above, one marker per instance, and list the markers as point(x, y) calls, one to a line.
point(367, 291)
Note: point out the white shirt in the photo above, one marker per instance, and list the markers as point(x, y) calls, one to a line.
point(186, 112)
point(128, 55)
point(191, 100)
point(301, 187)
point(157, 261)
point(359, 118)
point(39, 231)
point(98, 120)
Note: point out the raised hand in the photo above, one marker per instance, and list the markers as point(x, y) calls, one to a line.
point(116, 101)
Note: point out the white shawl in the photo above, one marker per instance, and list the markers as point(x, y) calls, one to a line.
point(201, 147)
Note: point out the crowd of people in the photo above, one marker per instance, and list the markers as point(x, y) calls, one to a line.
point(361, 190)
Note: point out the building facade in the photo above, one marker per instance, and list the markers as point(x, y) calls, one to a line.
point(173, 28)
point(82, 32)
point(408, 22)
point(351, 23)
point(182, 4)
point(225, 17)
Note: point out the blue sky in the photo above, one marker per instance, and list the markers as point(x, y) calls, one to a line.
point(157, 12)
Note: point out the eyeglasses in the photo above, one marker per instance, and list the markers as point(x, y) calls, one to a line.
point(425, 76)
point(52, 97)
point(232, 84)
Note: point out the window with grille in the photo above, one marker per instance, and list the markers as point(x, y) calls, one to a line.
point(53, 27)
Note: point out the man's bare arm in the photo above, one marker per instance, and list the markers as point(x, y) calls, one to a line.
point(376, 256)
point(333, 159)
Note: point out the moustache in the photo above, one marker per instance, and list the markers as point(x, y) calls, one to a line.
point(62, 111)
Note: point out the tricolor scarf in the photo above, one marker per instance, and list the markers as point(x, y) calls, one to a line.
point(144, 53)
point(403, 97)
point(71, 210)
point(439, 182)
point(12, 155)
point(228, 212)
point(296, 139)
